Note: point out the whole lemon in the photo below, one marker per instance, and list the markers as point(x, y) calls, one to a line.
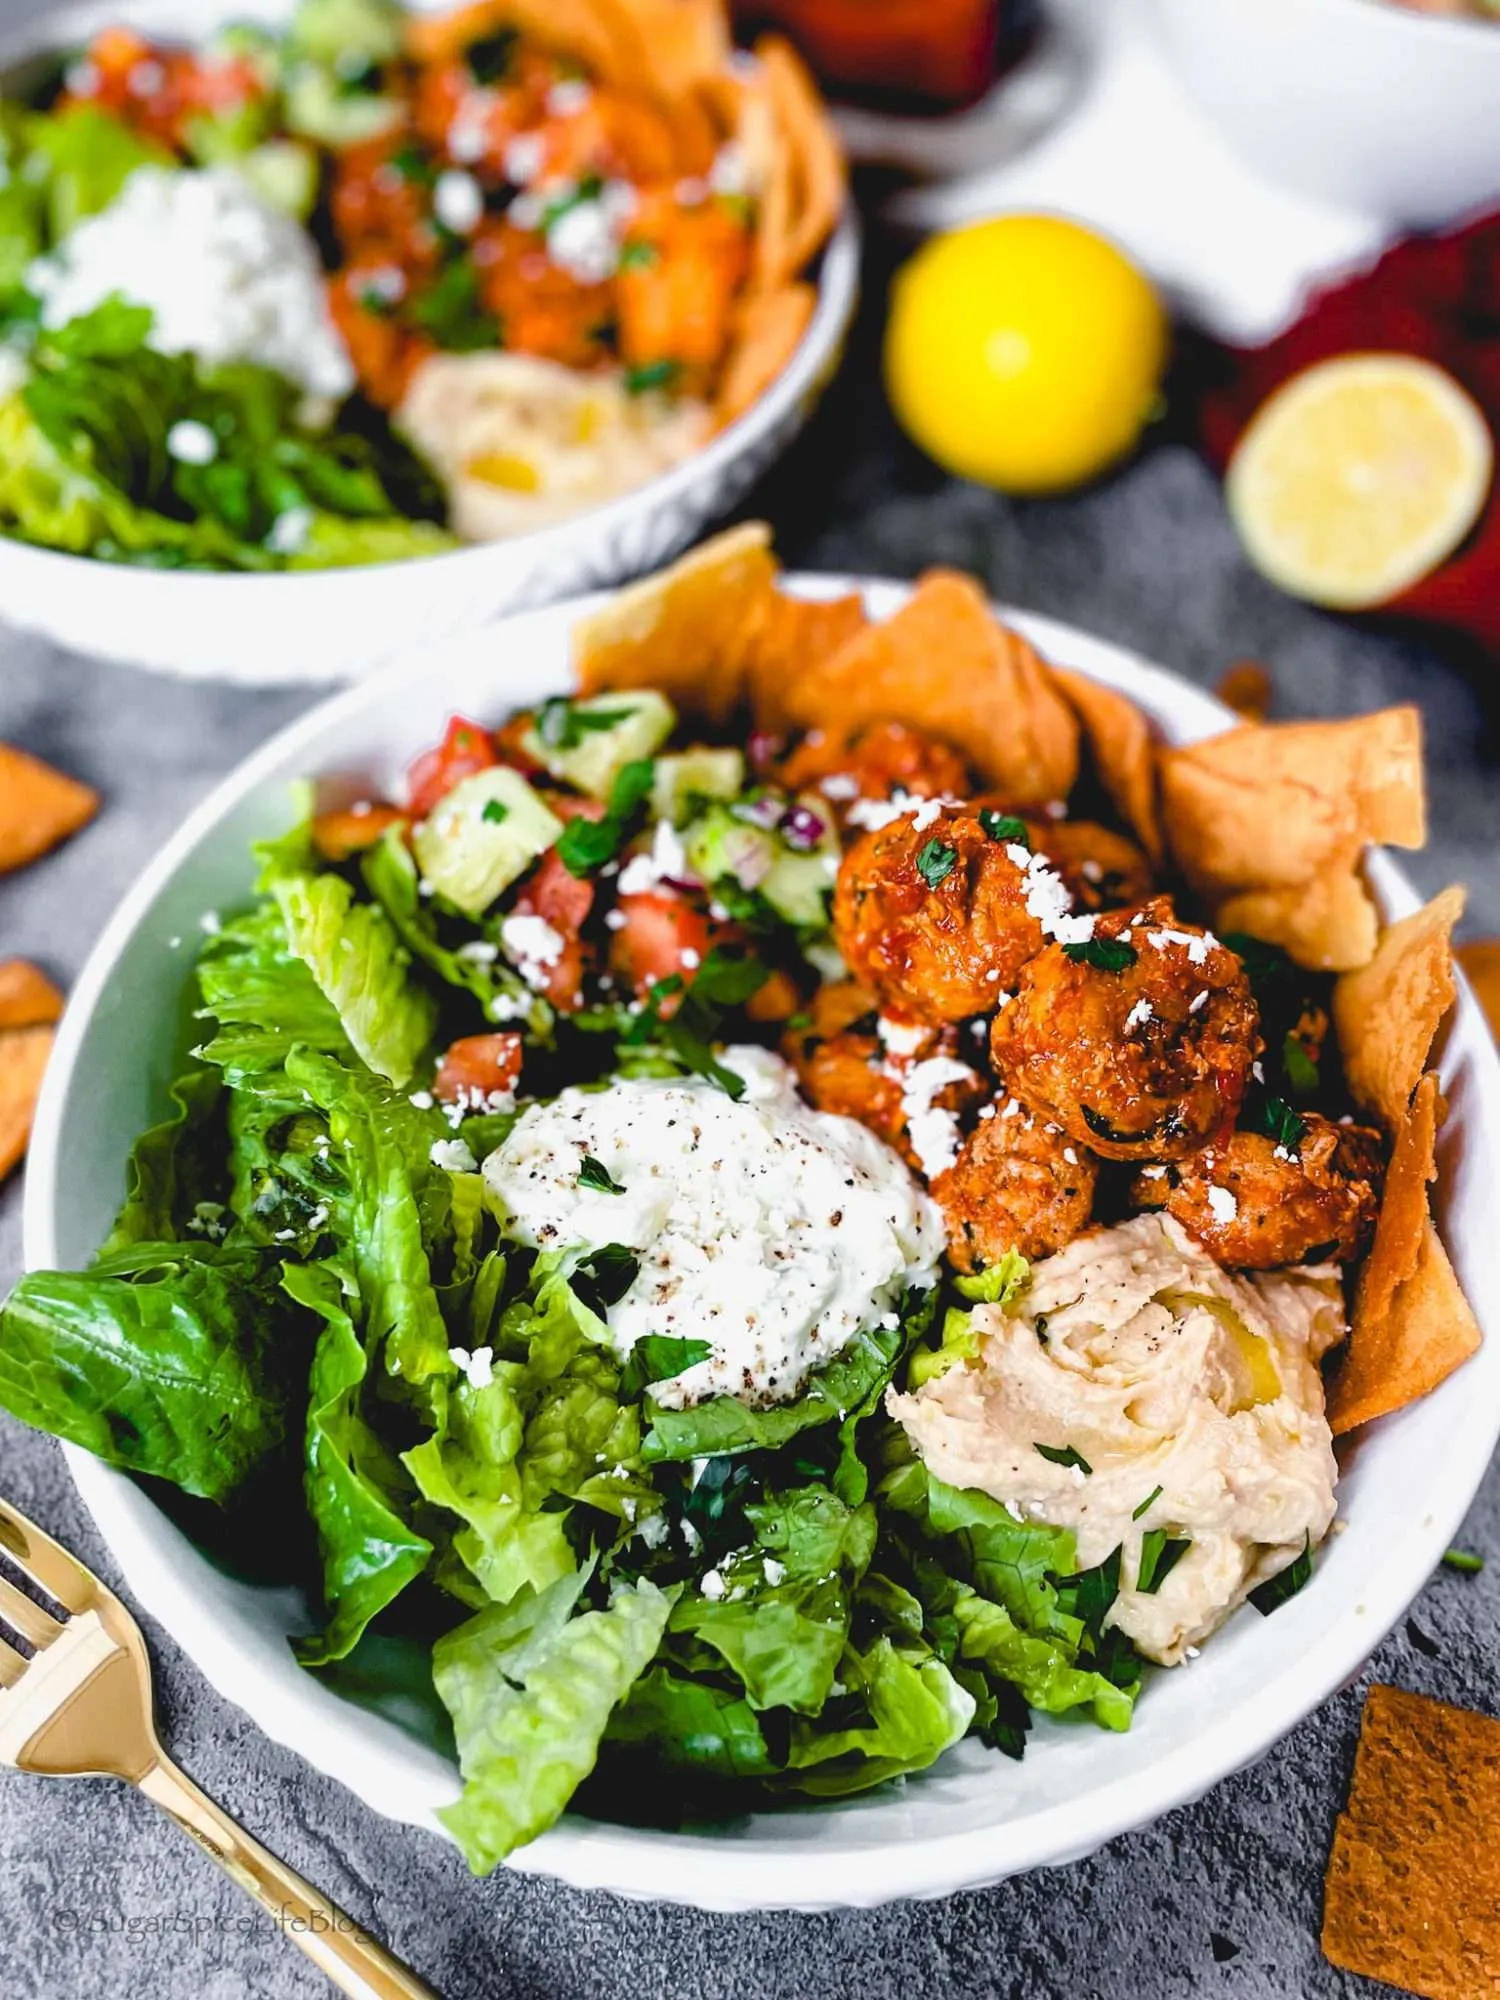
point(1025, 352)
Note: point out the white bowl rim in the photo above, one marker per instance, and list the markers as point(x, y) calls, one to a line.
point(685, 1866)
point(837, 286)
point(1460, 29)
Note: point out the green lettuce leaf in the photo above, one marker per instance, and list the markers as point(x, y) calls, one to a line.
point(1038, 1667)
point(914, 1710)
point(356, 1493)
point(82, 157)
point(531, 1691)
point(783, 1623)
point(162, 1359)
point(361, 968)
point(175, 1170)
point(335, 543)
point(690, 1727)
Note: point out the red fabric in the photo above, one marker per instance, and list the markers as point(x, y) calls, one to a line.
point(1436, 296)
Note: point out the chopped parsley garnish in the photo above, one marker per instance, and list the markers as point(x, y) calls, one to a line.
point(495, 814)
point(562, 724)
point(604, 1276)
point(1147, 1504)
point(638, 256)
point(412, 164)
point(1465, 1563)
point(657, 1357)
point(1063, 1454)
point(724, 980)
point(651, 375)
point(1280, 1122)
point(373, 299)
point(594, 1174)
point(1274, 1592)
point(587, 844)
point(936, 862)
point(1301, 1070)
point(1004, 826)
point(1089, 1594)
point(490, 58)
point(716, 1501)
point(450, 310)
point(1160, 1555)
point(1104, 954)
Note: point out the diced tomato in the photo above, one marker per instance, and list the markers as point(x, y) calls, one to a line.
point(510, 745)
point(564, 901)
point(352, 829)
point(465, 749)
point(663, 936)
point(477, 1068)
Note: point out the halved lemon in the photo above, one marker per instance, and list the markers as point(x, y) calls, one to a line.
point(1357, 477)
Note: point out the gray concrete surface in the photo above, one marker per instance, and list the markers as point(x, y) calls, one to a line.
point(99, 1900)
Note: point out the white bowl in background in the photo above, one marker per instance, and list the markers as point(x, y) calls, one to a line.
point(975, 1817)
point(329, 625)
point(1370, 105)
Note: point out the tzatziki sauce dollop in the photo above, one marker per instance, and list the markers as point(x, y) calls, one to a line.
point(770, 1230)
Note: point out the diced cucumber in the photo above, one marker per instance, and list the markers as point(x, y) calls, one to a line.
point(283, 172)
point(588, 743)
point(690, 774)
point(341, 32)
point(718, 844)
point(799, 886)
point(224, 138)
point(317, 107)
point(482, 837)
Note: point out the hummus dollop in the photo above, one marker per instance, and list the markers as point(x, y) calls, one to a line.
point(1191, 1394)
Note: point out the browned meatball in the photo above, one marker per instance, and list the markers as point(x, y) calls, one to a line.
point(1137, 1041)
point(1254, 1205)
point(930, 912)
point(874, 763)
point(851, 1061)
point(1020, 1183)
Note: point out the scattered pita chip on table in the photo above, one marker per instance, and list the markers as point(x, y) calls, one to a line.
point(38, 807)
point(944, 664)
point(1269, 823)
point(1410, 1324)
point(1387, 1013)
point(1412, 1893)
point(28, 999)
point(688, 630)
point(23, 1061)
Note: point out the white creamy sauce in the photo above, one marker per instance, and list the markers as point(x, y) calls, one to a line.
point(770, 1230)
point(228, 277)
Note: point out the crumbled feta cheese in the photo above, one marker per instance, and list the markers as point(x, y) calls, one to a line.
point(477, 1367)
point(902, 1038)
point(567, 98)
point(775, 1572)
point(933, 1132)
point(839, 785)
point(227, 277)
point(192, 443)
point(1197, 947)
point(210, 923)
point(289, 534)
point(1222, 1205)
point(478, 951)
point(458, 201)
point(712, 1585)
point(524, 158)
point(1198, 1002)
point(453, 1156)
point(533, 947)
point(1139, 1015)
point(925, 814)
point(421, 1100)
point(666, 862)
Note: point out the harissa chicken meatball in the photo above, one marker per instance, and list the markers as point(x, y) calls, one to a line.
point(1019, 1183)
point(1255, 1203)
point(1138, 1040)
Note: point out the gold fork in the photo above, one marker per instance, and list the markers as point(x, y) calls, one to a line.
point(80, 1707)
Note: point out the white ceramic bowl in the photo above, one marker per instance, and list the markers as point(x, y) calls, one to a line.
point(976, 1817)
point(329, 625)
point(1378, 108)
